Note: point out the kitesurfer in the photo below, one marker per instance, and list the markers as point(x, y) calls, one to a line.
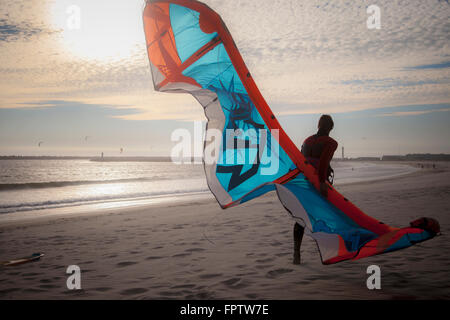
point(318, 149)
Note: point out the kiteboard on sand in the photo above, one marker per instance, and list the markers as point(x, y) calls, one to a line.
point(33, 257)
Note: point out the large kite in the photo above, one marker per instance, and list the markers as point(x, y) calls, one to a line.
point(191, 51)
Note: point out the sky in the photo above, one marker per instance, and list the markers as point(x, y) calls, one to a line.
point(83, 86)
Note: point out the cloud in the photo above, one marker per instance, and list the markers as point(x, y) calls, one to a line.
point(412, 113)
point(389, 83)
point(12, 32)
point(442, 65)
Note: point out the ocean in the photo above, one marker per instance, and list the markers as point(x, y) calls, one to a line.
point(35, 185)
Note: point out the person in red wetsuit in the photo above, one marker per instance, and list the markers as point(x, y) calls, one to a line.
point(318, 149)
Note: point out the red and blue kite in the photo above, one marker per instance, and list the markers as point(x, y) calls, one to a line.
point(191, 51)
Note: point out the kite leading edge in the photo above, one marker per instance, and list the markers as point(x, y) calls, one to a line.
point(190, 50)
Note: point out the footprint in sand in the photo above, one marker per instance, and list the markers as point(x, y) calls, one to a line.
point(102, 289)
point(275, 244)
point(153, 258)
point(31, 274)
point(48, 286)
point(125, 264)
point(234, 283)
point(169, 293)
point(133, 291)
point(6, 291)
point(184, 286)
point(204, 295)
point(88, 270)
point(59, 267)
point(264, 260)
point(45, 280)
point(195, 249)
point(181, 255)
point(76, 293)
point(282, 254)
point(277, 272)
point(33, 290)
point(210, 275)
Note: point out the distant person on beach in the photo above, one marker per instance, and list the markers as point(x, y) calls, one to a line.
point(318, 149)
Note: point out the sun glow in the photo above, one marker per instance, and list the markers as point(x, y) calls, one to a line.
point(100, 29)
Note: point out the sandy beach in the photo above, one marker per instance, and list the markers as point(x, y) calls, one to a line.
point(195, 250)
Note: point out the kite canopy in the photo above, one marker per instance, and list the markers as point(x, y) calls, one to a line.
point(191, 51)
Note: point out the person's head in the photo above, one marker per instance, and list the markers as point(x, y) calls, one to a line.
point(326, 124)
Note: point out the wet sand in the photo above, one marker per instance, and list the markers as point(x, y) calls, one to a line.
point(195, 250)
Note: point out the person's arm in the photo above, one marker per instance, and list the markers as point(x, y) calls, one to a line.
point(325, 158)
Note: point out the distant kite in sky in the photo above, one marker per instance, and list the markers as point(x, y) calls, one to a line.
point(191, 50)
point(40, 142)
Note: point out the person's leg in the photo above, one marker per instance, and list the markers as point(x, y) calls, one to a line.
point(298, 236)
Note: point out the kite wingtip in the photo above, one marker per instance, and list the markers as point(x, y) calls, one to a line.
point(428, 224)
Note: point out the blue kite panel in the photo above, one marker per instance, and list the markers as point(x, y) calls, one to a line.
point(186, 29)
